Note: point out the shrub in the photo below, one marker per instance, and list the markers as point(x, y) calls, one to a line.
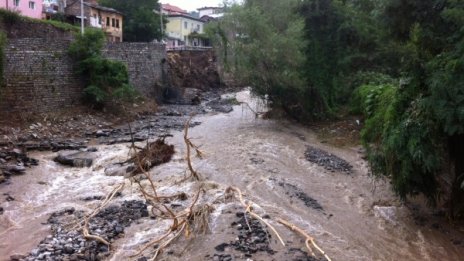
point(107, 80)
point(10, 17)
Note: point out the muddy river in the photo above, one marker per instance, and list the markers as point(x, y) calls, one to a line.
point(350, 215)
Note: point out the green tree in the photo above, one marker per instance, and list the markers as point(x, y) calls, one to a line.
point(263, 41)
point(141, 22)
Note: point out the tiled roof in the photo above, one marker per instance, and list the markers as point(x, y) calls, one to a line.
point(173, 9)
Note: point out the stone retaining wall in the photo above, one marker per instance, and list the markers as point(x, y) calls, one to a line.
point(39, 75)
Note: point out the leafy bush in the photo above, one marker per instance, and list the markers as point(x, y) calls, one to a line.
point(107, 80)
point(10, 17)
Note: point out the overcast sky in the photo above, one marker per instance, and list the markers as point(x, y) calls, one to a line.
point(192, 5)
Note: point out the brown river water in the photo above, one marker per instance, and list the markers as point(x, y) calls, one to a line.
point(361, 218)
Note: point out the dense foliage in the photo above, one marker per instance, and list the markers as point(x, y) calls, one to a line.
point(141, 23)
point(106, 80)
point(400, 63)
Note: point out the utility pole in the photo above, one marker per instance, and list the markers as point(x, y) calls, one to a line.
point(161, 21)
point(82, 17)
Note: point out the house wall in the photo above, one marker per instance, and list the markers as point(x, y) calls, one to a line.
point(176, 28)
point(23, 7)
point(39, 75)
point(113, 32)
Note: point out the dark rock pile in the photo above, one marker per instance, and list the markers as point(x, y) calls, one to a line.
point(294, 191)
point(14, 162)
point(252, 238)
point(327, 160)
point(300, 255)
point(67, 243)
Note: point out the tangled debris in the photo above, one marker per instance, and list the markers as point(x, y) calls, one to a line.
point(80, 236)
point(327, 160)
point(153, 154)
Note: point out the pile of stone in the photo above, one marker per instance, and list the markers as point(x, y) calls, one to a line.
point(67, 243)
point(14, 162)
point(327, 160)
point(252, 238)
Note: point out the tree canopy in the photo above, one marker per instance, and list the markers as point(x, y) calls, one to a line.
point(141, 23)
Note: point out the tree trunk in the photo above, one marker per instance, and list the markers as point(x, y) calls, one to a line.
point(456, 145)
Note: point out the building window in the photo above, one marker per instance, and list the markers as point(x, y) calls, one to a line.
point(108, 21)
point(117, 23)
point(113, 22)
point(16, 2)
point(99, 20)
point(198, 28)
point(185, 25)
point(31, 5)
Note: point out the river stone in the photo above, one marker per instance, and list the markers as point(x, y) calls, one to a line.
point(118, 170)
point(76, 159)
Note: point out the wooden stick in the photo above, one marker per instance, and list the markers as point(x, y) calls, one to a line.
point(85, 229)
point(189, 145)
point(249, 210)
point(308, 238)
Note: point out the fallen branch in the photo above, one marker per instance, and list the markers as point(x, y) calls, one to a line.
point(308, 238)
point(85, 229)
point(190, 145)
point(181, 224)
point(248, 209)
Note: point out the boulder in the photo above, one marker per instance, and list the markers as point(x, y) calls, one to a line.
point(76, 159)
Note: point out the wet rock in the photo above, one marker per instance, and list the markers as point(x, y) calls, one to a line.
point(387, 213)
point(327, 160)
point(221, 247)
point(118, 170)
point(75, 159)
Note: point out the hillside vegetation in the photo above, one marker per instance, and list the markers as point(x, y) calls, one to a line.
point(399, 63)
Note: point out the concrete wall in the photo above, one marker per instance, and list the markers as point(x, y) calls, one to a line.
point(39, 75)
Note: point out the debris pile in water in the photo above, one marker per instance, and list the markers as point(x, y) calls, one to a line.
point(327, 160)
point(154, 154)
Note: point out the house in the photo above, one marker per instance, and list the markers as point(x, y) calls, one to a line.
point(97, 16)
point(211, 11)
point(182, 29)
point(52, 8)
point(30, 8)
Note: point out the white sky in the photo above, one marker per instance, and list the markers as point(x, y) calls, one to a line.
point(192, 5)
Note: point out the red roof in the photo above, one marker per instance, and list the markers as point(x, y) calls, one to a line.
point(171, 9)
